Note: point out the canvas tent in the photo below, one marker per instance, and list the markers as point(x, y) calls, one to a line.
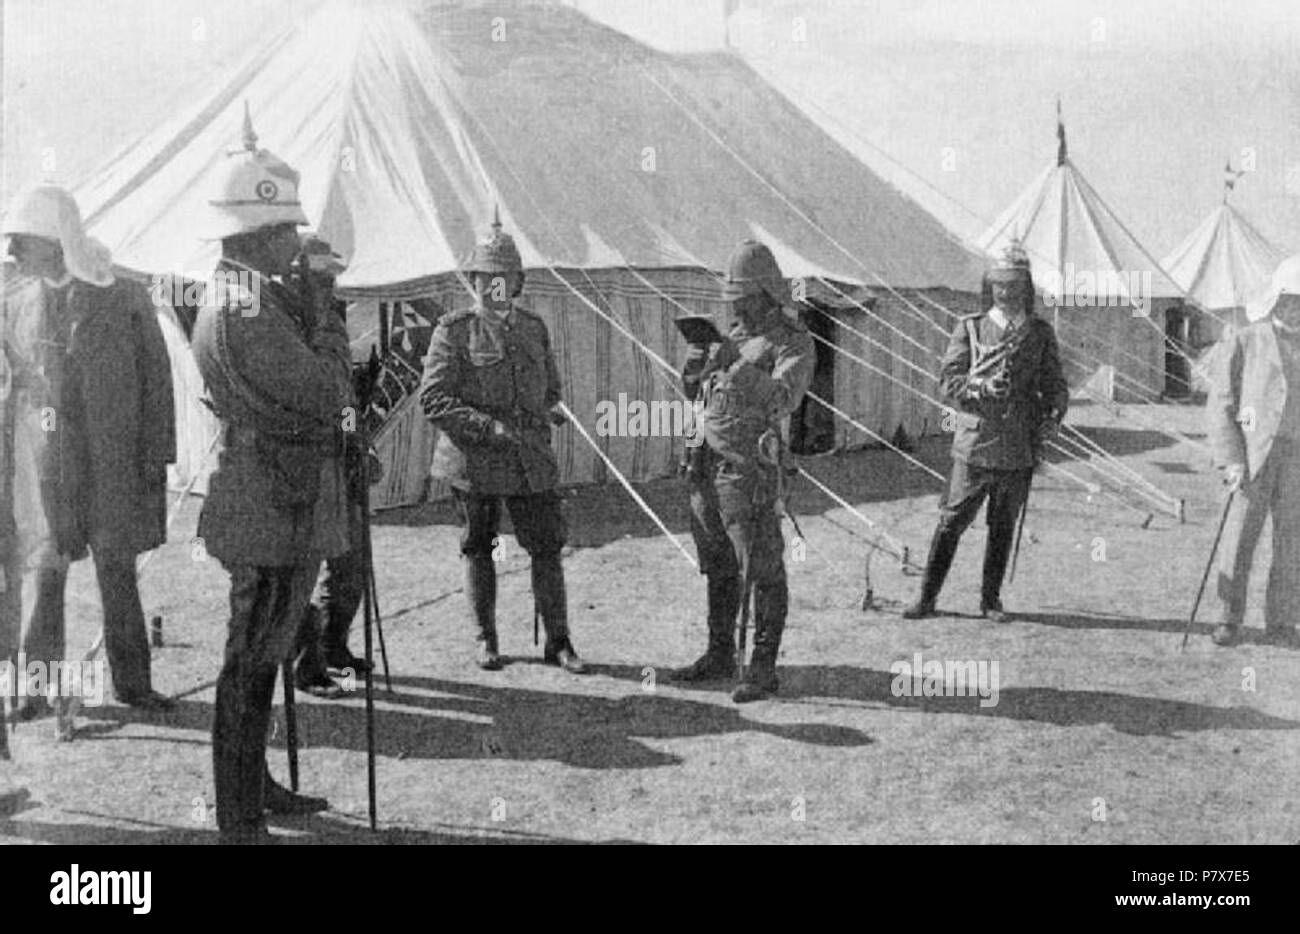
point(1108, 298)
point(1222, 264)
point(624, 174)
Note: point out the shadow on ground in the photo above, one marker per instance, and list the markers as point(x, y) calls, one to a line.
point(1127, 713)
point(316, 829)
point(577, 730)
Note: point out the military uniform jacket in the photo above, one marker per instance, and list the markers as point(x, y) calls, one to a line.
point(282, 388)
point(755, 393)
point(1003, 433)
point(480, 369)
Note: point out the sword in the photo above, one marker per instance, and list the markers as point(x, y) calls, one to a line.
point(1020, 528)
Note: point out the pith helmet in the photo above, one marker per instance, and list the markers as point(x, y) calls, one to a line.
point(256, 189)
point(496, 253)
point(752, 269)
point(50, 212)
point(1011, 265)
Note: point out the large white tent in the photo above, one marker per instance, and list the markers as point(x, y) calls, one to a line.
point(1224, 263)
point(625, 174)
point(1107, 296)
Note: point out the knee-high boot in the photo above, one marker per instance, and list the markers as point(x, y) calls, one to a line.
point(943, 548)
point(481, 592)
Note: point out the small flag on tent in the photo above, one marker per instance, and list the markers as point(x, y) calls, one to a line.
point(1230, 178)
point(1060, 135)
point(728, 7)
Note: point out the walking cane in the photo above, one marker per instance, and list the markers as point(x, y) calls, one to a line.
point(290, 723)
point(371, 617)
point(1223, 520)
point(1020, 528)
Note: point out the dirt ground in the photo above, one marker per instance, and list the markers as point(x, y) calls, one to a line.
point(1098, 714)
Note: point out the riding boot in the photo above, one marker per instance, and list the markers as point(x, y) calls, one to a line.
point(719, 660)
point(553, 606)
point(943, 548)
point(342, 593)
point(771, 602)
point(996, 555)
point(481, 591)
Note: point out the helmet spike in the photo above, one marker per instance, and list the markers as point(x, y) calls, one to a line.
point(250, 138)
point(496, 216)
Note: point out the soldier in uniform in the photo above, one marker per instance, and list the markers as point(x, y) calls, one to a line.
point(490, 385)
point(749, 384)
point(1002, 375)
point(322, 649)
point(280, 381)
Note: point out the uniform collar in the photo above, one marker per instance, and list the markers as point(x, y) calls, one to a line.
point(62, 283)
point(1002, 320)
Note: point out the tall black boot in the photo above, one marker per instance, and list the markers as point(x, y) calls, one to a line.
point(719, 660)
point(943, 548)
point(553, 606)
point(242, 715)
point(481, 592)
point(342, 592)
point(771, 602)
point(996, 555)
point(309, 674)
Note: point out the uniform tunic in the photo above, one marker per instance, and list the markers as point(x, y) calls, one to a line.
point(282, 391)
point(481, 369)
point(1001, 433)
point(733, 492)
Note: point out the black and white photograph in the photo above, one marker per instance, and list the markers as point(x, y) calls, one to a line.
point(768, 422)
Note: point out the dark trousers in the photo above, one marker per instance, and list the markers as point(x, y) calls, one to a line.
point(323, 633)
point(125, 641)
point(734, 520)
point(539, 528)
point(10, 623)
point(968, 487)
point(266, 606)
point(1274, 491)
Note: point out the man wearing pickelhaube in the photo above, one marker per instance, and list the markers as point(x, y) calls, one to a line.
point(1002, 376)
point(490, 385)
point(749, 383)
point(278, 373)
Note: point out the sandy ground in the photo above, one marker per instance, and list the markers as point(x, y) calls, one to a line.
point(1097, 713)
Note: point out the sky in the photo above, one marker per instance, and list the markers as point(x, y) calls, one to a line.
point(952, 100)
